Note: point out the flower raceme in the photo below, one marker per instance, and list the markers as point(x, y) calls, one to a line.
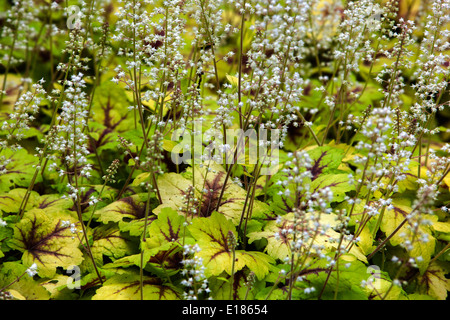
point(230, 149)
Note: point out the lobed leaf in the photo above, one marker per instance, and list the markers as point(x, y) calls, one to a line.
point(279, 242)
point(45, 241)
point(127, 286)
point(19, 170)
point(211, 235)
point(208, 184)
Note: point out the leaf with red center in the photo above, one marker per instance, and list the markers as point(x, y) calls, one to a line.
point(434, 281)
point(110, 108)
point(109, 241)
point(128, 208)
point(169, 227)
point(46, 241)
point(162, 249)
point(325, 160)
point(337, 183)
point(11, 201)
point(211, 235)
point(208, 185)
point(127, 286)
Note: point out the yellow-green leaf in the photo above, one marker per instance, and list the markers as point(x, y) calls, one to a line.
point(421, 250)
point(234, 81)
point(127, 286)
point(44, 240)
point(211, 235)
point(278, 245)
point(132, 207)
point(25, 287)
point(434, 282)
point(109, 241)
point(208, 184)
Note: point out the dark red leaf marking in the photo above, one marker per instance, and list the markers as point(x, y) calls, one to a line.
point(108, 119)
point(169, 259)
point(173, 235)
point(44, 204)
point(153, 282)
point(39, 243)
point(134, 208)
point(317, 169)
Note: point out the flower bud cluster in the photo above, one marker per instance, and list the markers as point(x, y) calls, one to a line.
point(194, 272)
point(70, 146)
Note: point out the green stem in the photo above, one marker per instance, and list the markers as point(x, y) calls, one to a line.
point(11, 52)
point(241, 49)
point(144, 232)
point(233, 257)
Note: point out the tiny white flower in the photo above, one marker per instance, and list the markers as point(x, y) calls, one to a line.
point(32, 270)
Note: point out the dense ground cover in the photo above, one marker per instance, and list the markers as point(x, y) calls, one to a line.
point(195, 149)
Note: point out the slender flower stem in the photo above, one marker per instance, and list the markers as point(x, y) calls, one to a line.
point(241, 49)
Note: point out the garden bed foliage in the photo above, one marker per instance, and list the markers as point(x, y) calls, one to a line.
point(122, 174)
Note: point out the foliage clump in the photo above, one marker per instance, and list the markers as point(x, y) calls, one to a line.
point(245, 150)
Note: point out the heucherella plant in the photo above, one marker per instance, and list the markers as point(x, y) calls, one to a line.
point(224, 150)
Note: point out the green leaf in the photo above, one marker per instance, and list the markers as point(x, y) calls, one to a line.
point(19, 169)
point(325, 173)
point(220, 287)
point(163, 261)
point(140, 179)
point(168, 227)
point(278, 247)
point(57, 286)
point(365, 242)
point(393, 218)
point(110, 107)
point(349, 281)
point(439, 226)
point(25, 286)
point(102, 137)
point(10, 202)
point(338, 184)
point(132, 207)
point(136, 227)
point(208, 184)
point(172, 187)
point(109, 241)
point(417, 296)
point(346, 281)
point(211, 235)
point(325, 160)
point(127, 286)
point(163, 246)
point(232, 80)
point(365, 235)
point(434, 282)
point(168, 145)
point(5, 234)
point(45, 241)
point(53, 203)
